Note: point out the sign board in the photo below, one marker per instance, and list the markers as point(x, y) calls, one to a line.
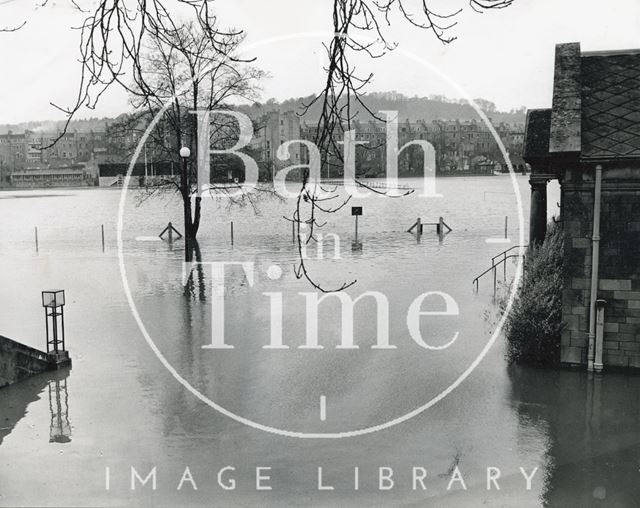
point(356, 210)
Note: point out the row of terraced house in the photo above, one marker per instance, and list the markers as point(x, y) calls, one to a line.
point(462, 147)
point(42, 159)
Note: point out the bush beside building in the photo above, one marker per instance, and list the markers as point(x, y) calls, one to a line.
point(534, 326)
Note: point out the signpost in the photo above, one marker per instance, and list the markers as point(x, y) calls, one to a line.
point(356, 211)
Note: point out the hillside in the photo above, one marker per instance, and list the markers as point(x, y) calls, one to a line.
point(412, 108)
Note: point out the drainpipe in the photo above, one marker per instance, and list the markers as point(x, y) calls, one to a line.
point(597, 361)
point(595, 261)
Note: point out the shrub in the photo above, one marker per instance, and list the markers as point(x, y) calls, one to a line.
point(534, 325)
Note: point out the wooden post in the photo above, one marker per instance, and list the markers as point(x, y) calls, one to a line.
point(419, 226)
point(170, 228)
point(506, 226)
point(231, 232)
point(36, 238)
point(440, 227)
point(102, 230)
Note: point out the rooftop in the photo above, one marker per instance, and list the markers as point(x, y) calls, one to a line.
point(596, 107)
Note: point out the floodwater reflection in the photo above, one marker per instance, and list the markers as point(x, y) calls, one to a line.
point(60, 428)
point(592, 424)
point(16, 399)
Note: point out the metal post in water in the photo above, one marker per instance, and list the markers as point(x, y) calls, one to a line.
point(102, 229)
point(506, 225)
point(231, 232)
point(504, 275)
point(356, 229)
point(36, 238)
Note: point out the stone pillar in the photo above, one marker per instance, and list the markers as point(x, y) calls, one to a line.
point(538, 212)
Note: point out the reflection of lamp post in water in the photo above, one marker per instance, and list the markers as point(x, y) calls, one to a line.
point(60, 428)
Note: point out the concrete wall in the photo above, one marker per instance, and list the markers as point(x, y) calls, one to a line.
point(619, 267)
point(18, 361)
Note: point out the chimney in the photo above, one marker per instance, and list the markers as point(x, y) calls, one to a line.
point(566, 113)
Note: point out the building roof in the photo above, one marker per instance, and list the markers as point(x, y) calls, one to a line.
point(611, 105)
point(596, 107)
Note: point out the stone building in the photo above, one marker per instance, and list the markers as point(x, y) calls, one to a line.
point(461, 145)
point(28, 150)
point(271, 131)
point(590, 141)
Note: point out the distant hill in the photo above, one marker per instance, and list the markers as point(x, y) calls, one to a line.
point(411, 108)
point(82, 125)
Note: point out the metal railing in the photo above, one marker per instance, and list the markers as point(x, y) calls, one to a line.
point(501, 260)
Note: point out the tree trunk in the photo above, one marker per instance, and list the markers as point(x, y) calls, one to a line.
point(196, 218)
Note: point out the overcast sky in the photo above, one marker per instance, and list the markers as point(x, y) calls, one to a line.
point(505, 56)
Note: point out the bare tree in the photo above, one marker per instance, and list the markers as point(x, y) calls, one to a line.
point(181, 71)
point(113, 34)
point(359, 26)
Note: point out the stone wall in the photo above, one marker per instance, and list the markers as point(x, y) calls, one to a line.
point(619, 268)
point(18, 361)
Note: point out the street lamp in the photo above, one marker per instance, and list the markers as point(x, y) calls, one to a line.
point(185, 153)
point(53, 303)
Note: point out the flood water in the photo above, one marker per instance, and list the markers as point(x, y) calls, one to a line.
point(119, 407)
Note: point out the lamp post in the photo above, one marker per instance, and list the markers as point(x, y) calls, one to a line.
point(184, 188)
point(53, 303)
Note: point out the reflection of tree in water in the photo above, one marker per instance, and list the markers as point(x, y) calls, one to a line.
point(60, 428)
point(589, 429)
point(196, 282)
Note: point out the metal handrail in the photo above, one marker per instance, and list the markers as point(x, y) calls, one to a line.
point(508, 250)
point(494, 267)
